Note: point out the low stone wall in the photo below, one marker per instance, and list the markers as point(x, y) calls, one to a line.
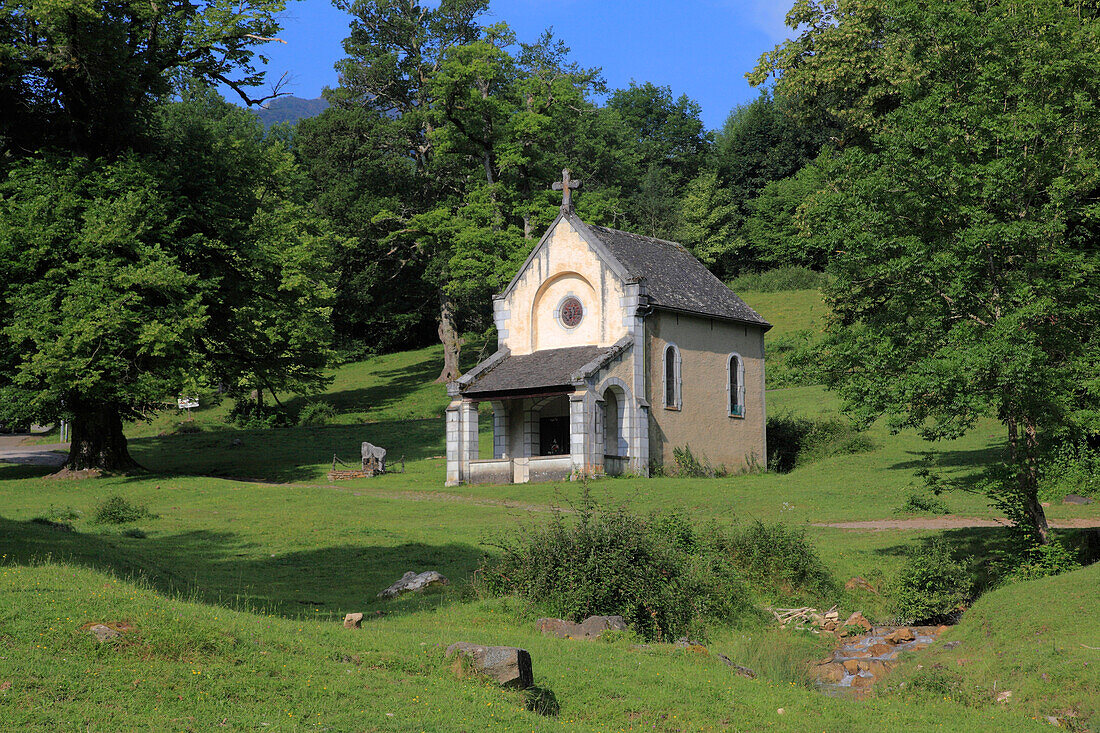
point(491, 471)
point(550, 468)
point(615, 465)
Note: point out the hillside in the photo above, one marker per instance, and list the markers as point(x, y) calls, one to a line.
point(290, 109)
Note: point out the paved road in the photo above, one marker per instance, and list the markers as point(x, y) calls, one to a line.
point(11, 451)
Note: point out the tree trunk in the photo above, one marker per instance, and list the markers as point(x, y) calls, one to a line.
point(1025, 457)
point(448, 335)
point(98, 441)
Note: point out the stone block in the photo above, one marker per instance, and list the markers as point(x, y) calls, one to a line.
point(508, 665)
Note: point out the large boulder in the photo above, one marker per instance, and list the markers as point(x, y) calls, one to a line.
point(858, 620)
point(411, 581)
point(508, 665)
point(374, 458)
point(1076, 499)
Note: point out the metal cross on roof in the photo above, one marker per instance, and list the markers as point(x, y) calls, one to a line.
point(566, 186)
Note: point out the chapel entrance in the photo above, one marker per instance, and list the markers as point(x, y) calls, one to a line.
point(554, 427)
point(615, 446)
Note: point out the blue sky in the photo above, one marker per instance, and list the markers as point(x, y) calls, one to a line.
point(701, 48)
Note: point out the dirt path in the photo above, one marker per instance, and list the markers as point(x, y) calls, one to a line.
point(11, 451)
point(950, 522)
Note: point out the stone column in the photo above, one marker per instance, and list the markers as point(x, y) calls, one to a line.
point(468, 412)
point(530, 428)
point(580, 433)
point(454, 443)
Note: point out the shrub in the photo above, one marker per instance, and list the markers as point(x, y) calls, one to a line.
point(117, 510)
point(247, 414)
point(1038, 561)
point(660, 574)
point(691, 466)
point(794, 360)
point(779, 556)
point(780, 279)
point(316, 413)
point(931, 586)
point(796, 441)
point(919, 502)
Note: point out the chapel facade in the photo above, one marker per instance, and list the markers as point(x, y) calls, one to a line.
point(613, 349)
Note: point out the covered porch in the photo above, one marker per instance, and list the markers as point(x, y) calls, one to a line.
point(550, 421)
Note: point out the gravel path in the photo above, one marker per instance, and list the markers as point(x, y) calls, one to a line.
point(11, 451)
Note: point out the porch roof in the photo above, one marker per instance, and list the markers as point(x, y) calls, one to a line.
point(549, 369)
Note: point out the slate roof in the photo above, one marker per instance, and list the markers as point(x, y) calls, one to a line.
point(674, 278)
point(546, 369)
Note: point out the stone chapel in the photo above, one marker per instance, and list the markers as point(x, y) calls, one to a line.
point(613, 349)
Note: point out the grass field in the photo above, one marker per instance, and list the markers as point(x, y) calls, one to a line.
point(236, 585)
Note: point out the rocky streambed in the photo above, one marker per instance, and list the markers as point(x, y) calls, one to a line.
point(862, 660)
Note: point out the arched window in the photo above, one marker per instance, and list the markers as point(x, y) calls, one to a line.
point(672, 378)
point(735, 385)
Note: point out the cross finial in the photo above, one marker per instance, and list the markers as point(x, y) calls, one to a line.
point(566, 186)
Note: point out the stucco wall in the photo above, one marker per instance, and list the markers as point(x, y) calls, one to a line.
point(564, 265)
point(703, 421)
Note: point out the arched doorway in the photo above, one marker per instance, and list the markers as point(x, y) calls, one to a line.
point(616, 448)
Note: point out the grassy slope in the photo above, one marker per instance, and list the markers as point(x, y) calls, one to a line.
point(305, 554)
point(1037, 639)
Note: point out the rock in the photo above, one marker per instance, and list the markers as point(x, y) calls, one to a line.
point(861, 682)
point(851, 666)
point(880, 650)
point(593, 626)
point(411, 581)
point(857, 619)
point(901, 636)
point(878, 668)
point(353, 621)
point(831, 672)
point(103, 633)
point(858, 583)
point(940, 629)
point(780, 711)
point(1054, 721)
point(832, 615)
point(507, 665)
point(1077, 499)
point(1005, 696)
point(590, 628)
point(951, 644)
point(859, 654)
point(918, 647)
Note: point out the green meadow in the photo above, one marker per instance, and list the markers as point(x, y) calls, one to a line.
point(236, 582)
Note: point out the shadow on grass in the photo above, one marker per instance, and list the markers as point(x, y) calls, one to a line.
point(219, 568)
point(974, 458)
point(388, 389)
point(286, 454)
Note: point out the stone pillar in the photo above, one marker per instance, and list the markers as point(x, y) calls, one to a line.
point(599, 436)
point(580, 434)
point(468, 413)
point(454, 443)
point(639, 439)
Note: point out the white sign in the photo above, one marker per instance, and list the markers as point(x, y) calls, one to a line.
point(186, 403)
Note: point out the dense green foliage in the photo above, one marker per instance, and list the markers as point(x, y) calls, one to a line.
point(961, 207)
point(932, 585)
point(118, 510)
point(795, 441)
point(665, 578)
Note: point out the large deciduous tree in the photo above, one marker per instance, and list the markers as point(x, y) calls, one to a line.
point(963, 208)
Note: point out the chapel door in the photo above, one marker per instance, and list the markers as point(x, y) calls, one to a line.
point(553, 436)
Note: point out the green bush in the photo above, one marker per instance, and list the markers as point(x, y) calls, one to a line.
point(659, 573)
point(779, 280)
point(1038, 561)
point(780, 557)
point(63, 514)
point(692, 466)
point(316, 413)
point(931, 585)
point(793, 359)
point(797, 441)
point(921, 502)
point(117, 510)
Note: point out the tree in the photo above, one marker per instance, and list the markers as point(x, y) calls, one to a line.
point(128, 282)
point(84, 77)
point(963, 207)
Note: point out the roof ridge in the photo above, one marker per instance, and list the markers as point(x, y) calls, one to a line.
point(658, 240)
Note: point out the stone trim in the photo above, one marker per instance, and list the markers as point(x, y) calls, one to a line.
point(740, 396)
